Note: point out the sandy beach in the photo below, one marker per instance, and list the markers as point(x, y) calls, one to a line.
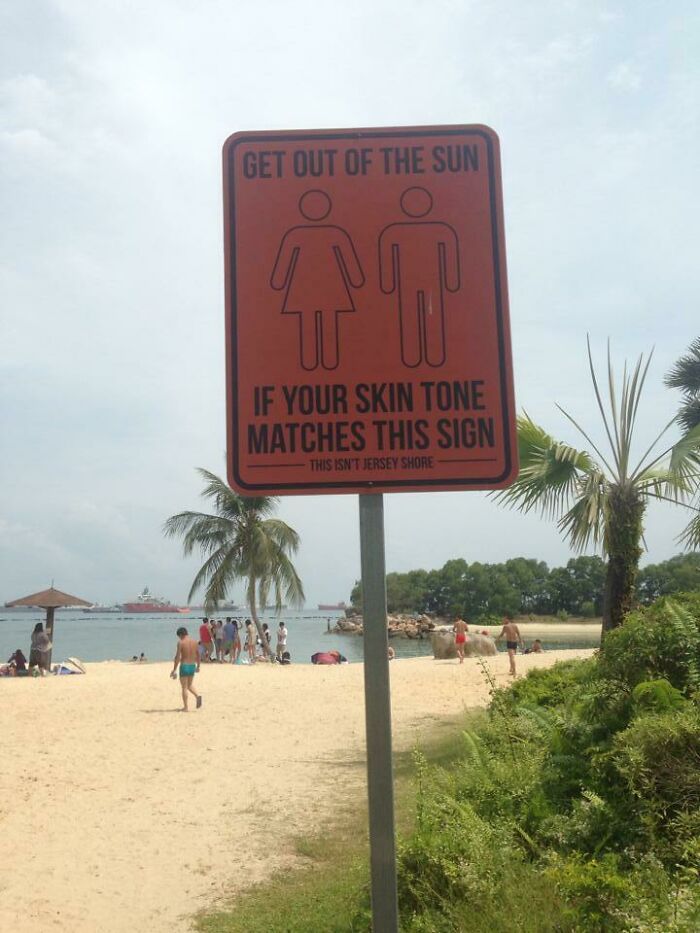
point(118, 813)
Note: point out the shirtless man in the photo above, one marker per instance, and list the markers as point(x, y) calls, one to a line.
point(187, 656)
point(460, 629)
point(512, 635)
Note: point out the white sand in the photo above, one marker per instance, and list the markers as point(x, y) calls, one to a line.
point(119, 814)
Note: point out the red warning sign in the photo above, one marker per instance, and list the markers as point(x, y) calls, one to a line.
point(368, 344)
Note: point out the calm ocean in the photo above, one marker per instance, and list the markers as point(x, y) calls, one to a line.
point(112, 636)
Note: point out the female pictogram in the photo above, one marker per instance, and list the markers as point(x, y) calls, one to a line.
point(419, 259)
point(317, 265)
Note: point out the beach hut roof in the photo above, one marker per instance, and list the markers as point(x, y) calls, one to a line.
point(49, 599)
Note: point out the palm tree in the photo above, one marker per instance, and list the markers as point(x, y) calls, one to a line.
point(601, 499)
point(241, 542)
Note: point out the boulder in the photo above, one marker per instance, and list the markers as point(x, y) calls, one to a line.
point(444, 646)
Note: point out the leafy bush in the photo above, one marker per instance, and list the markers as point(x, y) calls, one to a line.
point(585, 777)
point(656, 696)
point(658, 757)
point(549, 687)
point(662, 641)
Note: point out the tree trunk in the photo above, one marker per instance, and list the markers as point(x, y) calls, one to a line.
point(623, 534)
point(266, 647)
point(49, 631)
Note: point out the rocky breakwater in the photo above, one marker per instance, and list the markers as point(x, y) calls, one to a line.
point(399, 626)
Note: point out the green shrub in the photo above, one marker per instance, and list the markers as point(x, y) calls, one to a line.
point(656, 696)
point(660, 642)
point(550, 687)
point(658, 758)
point(605, 895)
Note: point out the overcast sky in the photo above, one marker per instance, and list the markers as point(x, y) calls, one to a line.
point(112, 118)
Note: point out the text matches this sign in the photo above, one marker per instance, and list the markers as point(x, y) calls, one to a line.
point(368, 344)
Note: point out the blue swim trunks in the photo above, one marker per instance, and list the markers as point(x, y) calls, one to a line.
point(188, 670)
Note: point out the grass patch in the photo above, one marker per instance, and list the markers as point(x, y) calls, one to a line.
point(322, 895)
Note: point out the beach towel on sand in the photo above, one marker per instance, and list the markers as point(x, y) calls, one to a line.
point(327, 657)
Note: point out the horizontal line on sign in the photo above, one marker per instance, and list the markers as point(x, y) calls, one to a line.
point(271, 466)
point(470, 460)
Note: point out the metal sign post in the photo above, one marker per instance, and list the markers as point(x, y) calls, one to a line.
point(380, 778)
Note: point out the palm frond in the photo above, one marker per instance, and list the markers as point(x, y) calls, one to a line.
point(689, 414)
point(210, 569)
point(685, 375)
point(279, 531)
point(226, 573)
point(679, 479)
point(643, 466)
point(631, 394)
point(613, 472)
point(549, 471)
point(690, 536)
point(601, 407)
point(198, 529)
point(585, 521)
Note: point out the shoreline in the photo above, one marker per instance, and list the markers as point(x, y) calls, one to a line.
point(135, 816)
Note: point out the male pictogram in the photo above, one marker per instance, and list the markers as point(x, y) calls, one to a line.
point(317, 264)
point(419, 259)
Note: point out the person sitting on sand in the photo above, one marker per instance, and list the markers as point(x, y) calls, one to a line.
point(511, 632)
point(18, 661)
point(187, 656)
point(460, 628)
point(286, 658)
point(535, 648)
point(390, 653)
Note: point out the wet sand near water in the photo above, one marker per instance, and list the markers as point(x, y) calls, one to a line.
point(120, 814)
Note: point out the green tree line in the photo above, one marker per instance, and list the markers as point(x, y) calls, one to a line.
point(523, 585)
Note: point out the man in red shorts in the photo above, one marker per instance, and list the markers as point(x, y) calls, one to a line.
point(206, 639)
point(460, 629)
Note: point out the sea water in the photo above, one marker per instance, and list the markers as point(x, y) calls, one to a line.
point(96, 636)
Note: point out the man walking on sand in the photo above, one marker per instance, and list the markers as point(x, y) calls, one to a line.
point(460, 629)
point(512, 635)
point(187, 656)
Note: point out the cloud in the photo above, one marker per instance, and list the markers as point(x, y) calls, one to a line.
point(625, 77)
point(112, 116)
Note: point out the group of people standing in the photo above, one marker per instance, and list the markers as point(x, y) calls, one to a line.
point(227, 641)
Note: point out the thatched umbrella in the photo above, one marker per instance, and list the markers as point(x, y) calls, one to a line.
point(50, 600)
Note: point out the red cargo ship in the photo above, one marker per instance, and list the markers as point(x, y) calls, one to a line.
point(147, 603)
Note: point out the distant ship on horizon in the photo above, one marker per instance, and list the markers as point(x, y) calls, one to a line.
point(333, 606)
point(146, 603)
